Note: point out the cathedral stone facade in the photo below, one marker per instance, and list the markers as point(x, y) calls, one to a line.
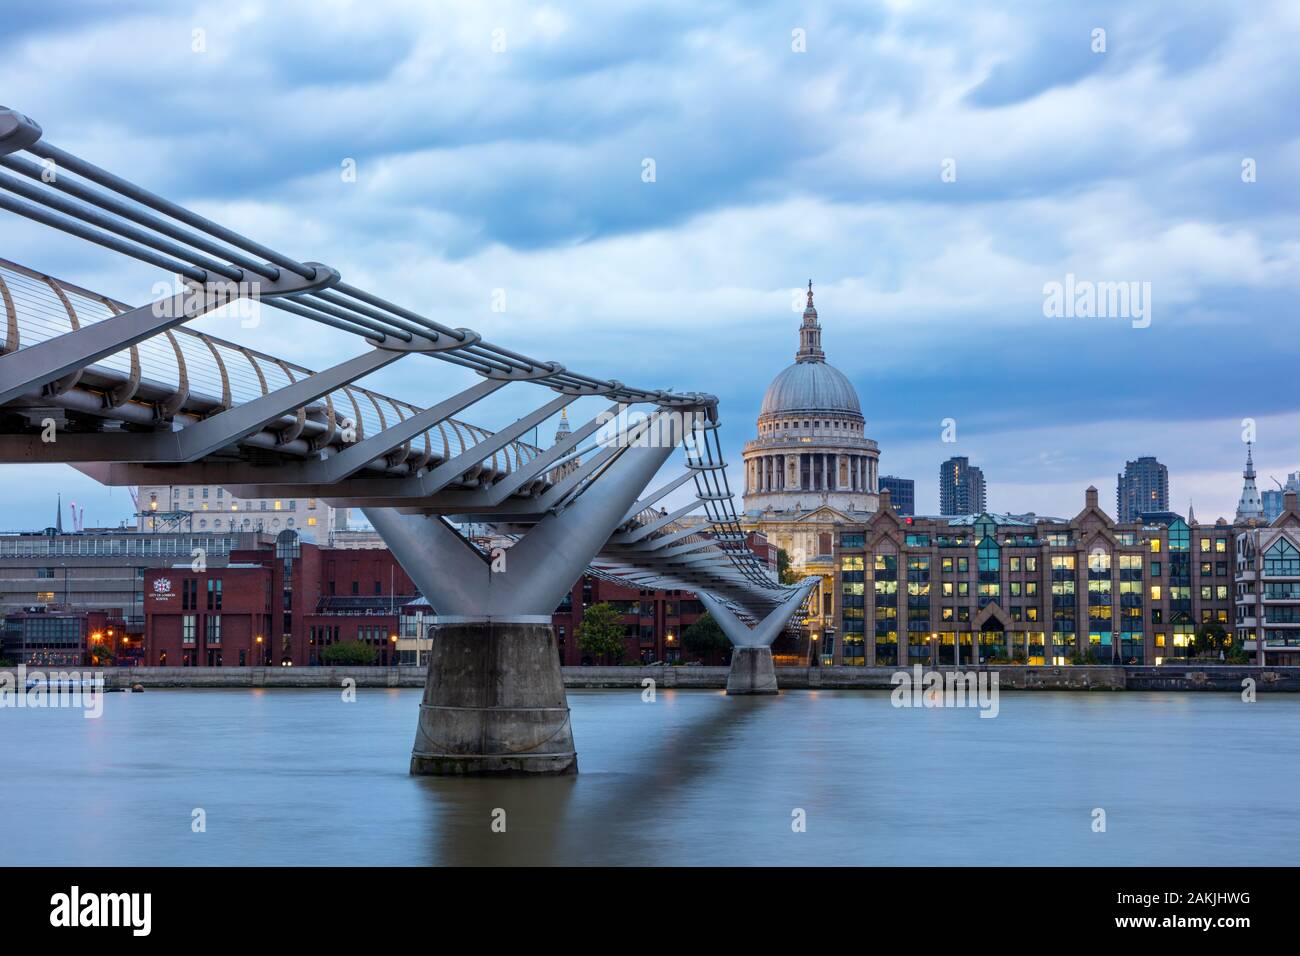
point(811, 459)
point(811, 468)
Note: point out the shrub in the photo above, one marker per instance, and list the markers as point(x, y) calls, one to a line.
point(348, 653)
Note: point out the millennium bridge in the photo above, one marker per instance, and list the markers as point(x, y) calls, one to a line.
point(128, 395)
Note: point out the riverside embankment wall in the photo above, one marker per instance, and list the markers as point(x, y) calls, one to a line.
point(1167, 677)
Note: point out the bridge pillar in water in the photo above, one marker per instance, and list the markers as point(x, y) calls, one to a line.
point(494, 699)
point(752, 670)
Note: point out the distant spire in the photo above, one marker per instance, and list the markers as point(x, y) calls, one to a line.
point(1191, 512)
point(58, 515)
point(562, 430)
point(1250, 507)
point(810, 334)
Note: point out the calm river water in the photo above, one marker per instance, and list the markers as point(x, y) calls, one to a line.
point(299, 777)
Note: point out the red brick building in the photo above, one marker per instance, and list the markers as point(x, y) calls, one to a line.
point(653, 620)
point(276, 606)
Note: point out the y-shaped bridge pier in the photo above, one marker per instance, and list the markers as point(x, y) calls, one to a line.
point(752, 670)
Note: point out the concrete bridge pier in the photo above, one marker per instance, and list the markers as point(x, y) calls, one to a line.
point(494, 697)
point(494, 701)
point(752, 670)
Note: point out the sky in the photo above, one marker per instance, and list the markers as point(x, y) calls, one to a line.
point(932, 167)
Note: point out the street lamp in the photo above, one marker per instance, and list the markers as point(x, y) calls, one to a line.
point(260, 658)
point(392, 645)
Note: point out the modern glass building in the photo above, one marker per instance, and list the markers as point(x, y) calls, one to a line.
point(1144, 486)
point(961, 488)
point(902, 493)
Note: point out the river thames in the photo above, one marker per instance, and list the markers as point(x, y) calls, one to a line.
point(696, 777)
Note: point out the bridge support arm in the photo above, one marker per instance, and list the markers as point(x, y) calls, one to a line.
point(494, 698)
point(752, 670)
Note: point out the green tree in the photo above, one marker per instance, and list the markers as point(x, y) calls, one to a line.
point(601, 632)
point(783, 572)
point(348, 653)
point(705, 636)
point(1211, 638)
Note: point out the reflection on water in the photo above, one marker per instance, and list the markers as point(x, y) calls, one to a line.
point(298, 777)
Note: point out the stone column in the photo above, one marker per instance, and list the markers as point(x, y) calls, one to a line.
point(493, 703)
point(752, 671)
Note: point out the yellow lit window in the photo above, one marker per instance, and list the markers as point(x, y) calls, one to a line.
point(277, 506)
point(45, 595)
point(1155, 592)
point(311, 521)
point(1155, 545)
point(1205, 544)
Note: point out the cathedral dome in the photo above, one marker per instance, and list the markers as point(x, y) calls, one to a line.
point(811, 387)
point(811, 466)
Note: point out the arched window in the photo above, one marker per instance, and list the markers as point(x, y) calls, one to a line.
point(287, 545)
